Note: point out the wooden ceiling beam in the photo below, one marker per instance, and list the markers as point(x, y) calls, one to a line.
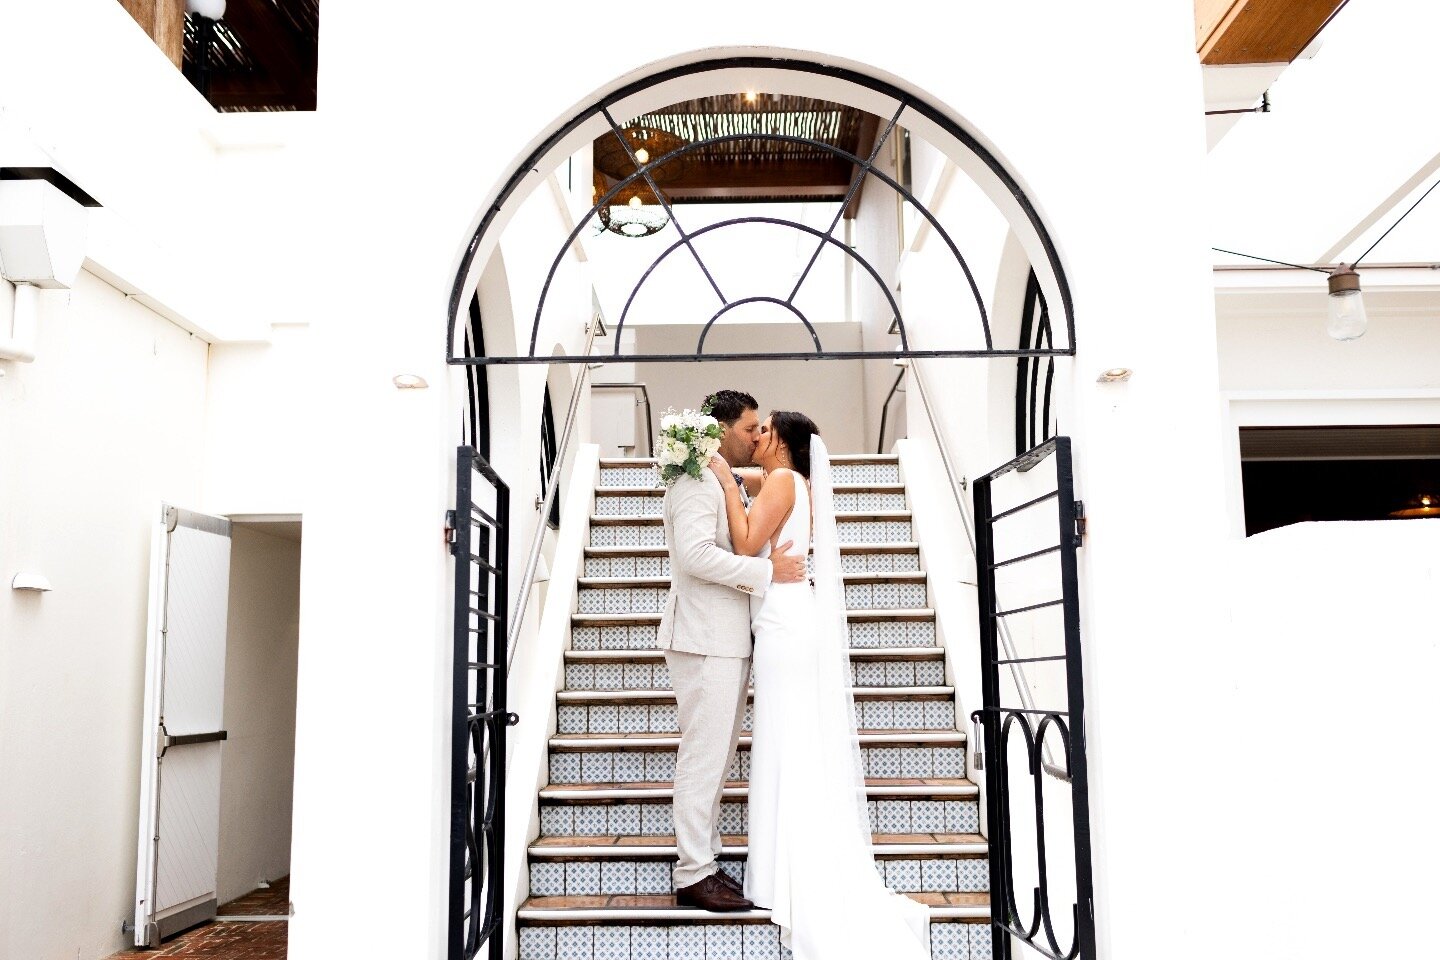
point(268, 38)
point(772, 175)
point(248, 90)
point(164, 21)
point(1229, 32)
point(869, 130)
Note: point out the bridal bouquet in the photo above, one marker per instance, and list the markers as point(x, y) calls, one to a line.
point(687, 442)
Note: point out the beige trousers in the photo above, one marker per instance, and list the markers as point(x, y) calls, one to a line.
point(710, 693)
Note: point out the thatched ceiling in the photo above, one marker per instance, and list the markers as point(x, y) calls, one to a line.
point(755, 168)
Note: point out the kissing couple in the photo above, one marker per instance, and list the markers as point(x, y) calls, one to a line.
point(737, 568)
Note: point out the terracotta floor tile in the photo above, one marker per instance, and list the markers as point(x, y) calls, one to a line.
point(234, 940)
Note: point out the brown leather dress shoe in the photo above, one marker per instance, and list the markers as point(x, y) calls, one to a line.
point(730, 882)
point(711, 893)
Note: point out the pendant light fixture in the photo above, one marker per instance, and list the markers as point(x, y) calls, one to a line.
point(1345, 307)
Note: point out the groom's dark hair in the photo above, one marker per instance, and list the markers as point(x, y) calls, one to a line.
point(728, 405)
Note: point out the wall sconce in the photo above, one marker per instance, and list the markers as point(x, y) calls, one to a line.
point(409, 381)
point(42, 244)
point(1344, 306)
point(34, 582)
point(1114, 375)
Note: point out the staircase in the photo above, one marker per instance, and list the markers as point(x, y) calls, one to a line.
point(600, 872)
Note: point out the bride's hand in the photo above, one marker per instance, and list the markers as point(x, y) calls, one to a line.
point(721, 469)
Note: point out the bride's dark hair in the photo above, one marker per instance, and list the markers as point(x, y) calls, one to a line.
point(795, 430)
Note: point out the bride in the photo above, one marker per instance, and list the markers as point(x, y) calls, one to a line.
point(810, 859)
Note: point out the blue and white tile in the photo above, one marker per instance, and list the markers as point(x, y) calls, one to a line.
point(609, 676)
point(547, 879)
point(723, 943)
point(731, 820)
point(734, 869)
point(899, 673)
point(638, 676)
point(949, 941)
point(625, 820)
point(629, 767)
point(980, 945)
point(615, 638)
point(879, 715)
point(973, 875)
point(622, 566)
point(885, 762)
point(591, 821)
point(642, 637)
point(649, 943)
point(930, 673)
point(659, 767)
point(565, 768)
point(869, 673)
point(654, 877)
point(537, 943)
point(657, 820)
point(927, 816)
point(612, 943)
point(574, 943)
point(616, 877)
point(917, 762)
point(903, 876)
point(761, 941)
point(687, 943)
point(604, 718)
point(557, 822)
point(582, 878)
point(937, 875)
point(949, 762)
point(940, 715)
point(893, 816)
point(585, 638)
point(570, 719)
point(597, 768)
point(634, 718)
point(909, 715)
point(664, 718)
point(962, 816)
point(911, 595)
point(660, 677)
point(579, 676)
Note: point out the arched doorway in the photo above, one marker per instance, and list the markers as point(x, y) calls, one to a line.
point(1041, 328)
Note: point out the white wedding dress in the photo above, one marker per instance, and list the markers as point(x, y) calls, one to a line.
point(810, 859)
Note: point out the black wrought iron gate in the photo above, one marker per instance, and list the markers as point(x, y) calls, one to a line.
point(1043, 698)
point(479, 529)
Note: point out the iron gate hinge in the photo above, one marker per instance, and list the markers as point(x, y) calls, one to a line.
point(1079, 523)
point(450, 529)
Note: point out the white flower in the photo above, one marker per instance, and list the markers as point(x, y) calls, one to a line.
point(672, 452)
point(669, 422)
point(709, 446)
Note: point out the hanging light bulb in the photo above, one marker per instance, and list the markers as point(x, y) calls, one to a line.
point(1346, 309)
point(642, 155)
point(635, 201)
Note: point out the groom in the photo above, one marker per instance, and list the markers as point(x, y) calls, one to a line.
point(705, 633)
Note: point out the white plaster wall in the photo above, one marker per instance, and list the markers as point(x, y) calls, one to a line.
point(103, 426)
point(258, 761)
point(1328, 637)
point(829, 391)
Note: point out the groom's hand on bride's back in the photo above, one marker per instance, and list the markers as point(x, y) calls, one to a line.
point(786, 567)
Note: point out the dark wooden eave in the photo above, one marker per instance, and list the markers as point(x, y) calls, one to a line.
point(1232, 32)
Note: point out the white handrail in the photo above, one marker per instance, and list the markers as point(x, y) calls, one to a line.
point(532, 562)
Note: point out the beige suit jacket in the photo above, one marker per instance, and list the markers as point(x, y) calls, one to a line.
point(710, 587)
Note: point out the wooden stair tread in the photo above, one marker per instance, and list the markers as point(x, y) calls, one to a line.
point(646, 519)
point(868, 576)
point(619, 908)
point(874, 787)
point(627, 619)
point(740, 840)
point(658, 741)
point(888, 546)
point(605, 697)
point(658, 656)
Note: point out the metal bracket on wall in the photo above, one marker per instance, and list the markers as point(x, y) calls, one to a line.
point(1079, 523)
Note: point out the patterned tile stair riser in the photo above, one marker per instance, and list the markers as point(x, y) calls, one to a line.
point(648, 675)
point(628, 876)
point(655, 818)
point(753, 940)
point(600, 872)
point(911, 762)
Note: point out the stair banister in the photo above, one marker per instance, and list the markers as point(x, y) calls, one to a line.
point(532, 561)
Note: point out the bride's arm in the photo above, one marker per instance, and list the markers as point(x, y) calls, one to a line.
point(750, 531)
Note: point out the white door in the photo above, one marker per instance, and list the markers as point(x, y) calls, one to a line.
point(179, 839)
